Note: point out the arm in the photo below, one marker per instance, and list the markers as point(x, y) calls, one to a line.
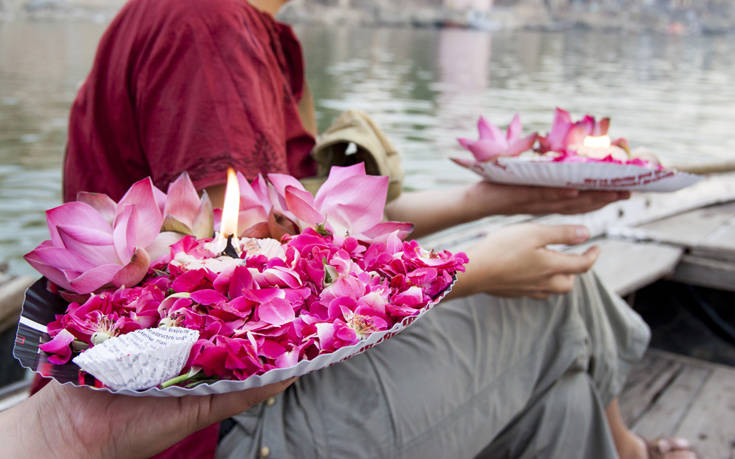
point(64, 421)
point(458, 205)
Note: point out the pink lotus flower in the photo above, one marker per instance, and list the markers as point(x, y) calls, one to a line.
point(493, 143)
point(185, 212)
point(349, 203)
point(255, 207)
point(567, 137)
point(92, 247)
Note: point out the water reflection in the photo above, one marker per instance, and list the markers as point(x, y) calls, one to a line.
point(424, 87)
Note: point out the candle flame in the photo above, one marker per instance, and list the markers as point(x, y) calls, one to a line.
point(231, 206)
point(602, 141)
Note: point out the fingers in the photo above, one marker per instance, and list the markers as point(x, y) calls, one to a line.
point(572, 263)
point(230, 404)
point(584, 201)
point(561, 234)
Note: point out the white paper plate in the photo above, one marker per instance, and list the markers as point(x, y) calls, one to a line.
point(583, 176)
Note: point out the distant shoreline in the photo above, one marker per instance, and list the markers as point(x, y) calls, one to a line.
point(701, 17)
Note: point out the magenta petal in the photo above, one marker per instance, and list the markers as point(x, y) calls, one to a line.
point(148, 224)
point(276, 312)
point(301, 204)
point(271, 349)
point(208, 296)
point(133, 272)
point(325, 334)
point(60, 347)
point(240, 282)
point(100, 202)
point(288, 359)
point(182, 200)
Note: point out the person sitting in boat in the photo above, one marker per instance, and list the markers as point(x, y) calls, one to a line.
point(527, 357)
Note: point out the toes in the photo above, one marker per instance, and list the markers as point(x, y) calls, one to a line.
point(680, 443)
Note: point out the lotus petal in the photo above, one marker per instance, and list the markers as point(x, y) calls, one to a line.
point(514, 129)
point(148, 223)
point(488, 131)
point(88, 244)
point(382, 230)
point(337, 176)
point(124, 233)
point(519, 146)
point(301, 204)
point(132, 273)
point(203, 226)
point(160, 248)
point(182, 200)
point(101, 203)
point(72, 213)
point(468, 163)
point(95, 278)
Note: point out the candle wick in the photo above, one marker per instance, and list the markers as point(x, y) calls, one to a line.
point(230, 249)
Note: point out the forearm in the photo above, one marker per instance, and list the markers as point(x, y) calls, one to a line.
point(434, 210)
point(23, 432)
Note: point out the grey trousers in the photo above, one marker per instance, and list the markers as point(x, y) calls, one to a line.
point(481, 376)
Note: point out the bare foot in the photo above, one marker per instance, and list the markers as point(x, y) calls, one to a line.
point(660, 448)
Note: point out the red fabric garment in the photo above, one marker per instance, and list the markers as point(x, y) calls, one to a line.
point(188, 85)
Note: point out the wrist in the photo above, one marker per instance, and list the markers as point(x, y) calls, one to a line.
point(480, 201)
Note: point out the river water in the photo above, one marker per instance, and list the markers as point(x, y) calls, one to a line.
point(674, 95)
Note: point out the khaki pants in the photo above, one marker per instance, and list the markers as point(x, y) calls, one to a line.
point(481, 376)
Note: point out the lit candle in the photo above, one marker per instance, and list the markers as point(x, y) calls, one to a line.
point(600, 147)
point(226, 240)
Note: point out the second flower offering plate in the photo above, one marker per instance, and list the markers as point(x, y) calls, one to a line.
point(583, 175)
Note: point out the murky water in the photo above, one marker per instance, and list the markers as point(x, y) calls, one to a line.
point(674, 95)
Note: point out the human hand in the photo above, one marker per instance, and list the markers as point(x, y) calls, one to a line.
point(67, 421)
point(514, 262)
point(493, 198)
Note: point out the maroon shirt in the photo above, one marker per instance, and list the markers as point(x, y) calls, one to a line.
point(188, 85)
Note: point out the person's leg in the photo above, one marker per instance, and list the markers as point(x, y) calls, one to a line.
point(447, 385)
point(617, 337)
point(566, 421)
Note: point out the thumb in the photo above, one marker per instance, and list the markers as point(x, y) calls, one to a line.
point(563, 234)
